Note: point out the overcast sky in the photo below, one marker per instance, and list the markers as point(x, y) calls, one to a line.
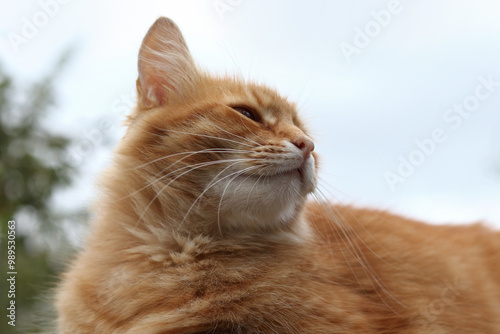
point(403, 97)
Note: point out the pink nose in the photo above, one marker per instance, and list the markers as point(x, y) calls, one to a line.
point(305, 144)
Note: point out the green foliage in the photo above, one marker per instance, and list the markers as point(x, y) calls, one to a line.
point(32, 167)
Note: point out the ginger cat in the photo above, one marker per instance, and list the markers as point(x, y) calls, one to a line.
point(203, 227)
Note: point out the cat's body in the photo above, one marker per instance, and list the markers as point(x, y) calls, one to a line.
point(203, 228)
point(416, 279)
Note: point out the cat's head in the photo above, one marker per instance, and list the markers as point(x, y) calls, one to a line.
point(214, 147)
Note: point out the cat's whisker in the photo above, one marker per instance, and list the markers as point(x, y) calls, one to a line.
point(202, 135)
point(232, 134)
point(183, 158)
point(325, 237)
point(354, 218)
point(237, 136)
point(346, 228)
point(265, 141)
point(335, 233)
point(173, 180)
point(262, 165)
point(189, 154)
point(199, 165)
point(236, 174)
point(210, 185)
point(227, 160)
point(195, 166)
point(357, 252)
point(251, 189)
point(354, 252)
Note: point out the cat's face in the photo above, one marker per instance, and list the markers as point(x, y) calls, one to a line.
point(237, 151)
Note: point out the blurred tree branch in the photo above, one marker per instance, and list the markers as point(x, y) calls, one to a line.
point(33, 165)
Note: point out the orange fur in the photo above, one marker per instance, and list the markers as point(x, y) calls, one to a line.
point(202, 228)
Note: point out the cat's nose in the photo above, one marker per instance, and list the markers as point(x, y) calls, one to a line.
point(305, 144)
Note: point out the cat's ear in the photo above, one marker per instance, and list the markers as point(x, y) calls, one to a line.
point(166, 67)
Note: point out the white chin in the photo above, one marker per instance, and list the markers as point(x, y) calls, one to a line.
point(250, 202)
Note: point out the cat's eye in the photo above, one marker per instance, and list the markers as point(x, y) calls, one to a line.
point(246, 112)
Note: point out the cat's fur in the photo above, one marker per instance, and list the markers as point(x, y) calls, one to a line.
point(203, 228)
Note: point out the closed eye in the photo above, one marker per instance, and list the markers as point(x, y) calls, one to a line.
point(247, 112)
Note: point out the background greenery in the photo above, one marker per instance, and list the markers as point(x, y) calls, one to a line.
point(33, 166)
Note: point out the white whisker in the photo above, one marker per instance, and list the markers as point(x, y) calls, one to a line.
point(196, 166)
point(205, 136)
point(169, 183)
point(356, 251)
point(189, 154)
point(236, 174)
point(210, 185)
point(232, 134)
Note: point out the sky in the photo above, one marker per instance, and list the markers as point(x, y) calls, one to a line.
point(402, 97)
